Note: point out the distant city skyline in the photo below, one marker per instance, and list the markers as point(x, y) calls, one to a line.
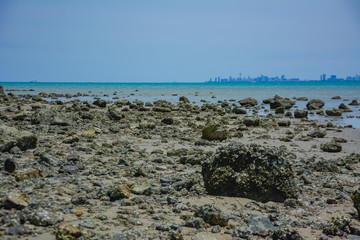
point(282, 78)
point(176, 41)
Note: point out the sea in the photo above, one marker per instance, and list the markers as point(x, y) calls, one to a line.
point(198, 93)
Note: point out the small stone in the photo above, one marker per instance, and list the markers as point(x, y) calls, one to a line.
point(317, 134)
point(100, 103)
point(67, 232)
point(333, 112)
point(27, 174)
point(238, 110)
point(291, 202)
point(118, 192)
point(168, 120)
point(19, 229)
point(195, 223)
point(212, 215)
point(251, 122)
point(284, 123)
point(300, 113)
point(331, 147)
point(10, 165)
point(89, 134)
point(71, 139)
point(354, 103)
point(44, 218)
point(356, 200)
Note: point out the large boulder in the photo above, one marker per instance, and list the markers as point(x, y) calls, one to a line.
point(278, 101)
point(252, 171)
point(11, 137)
point(315, 104)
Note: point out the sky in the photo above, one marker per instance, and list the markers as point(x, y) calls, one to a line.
point(177, 41)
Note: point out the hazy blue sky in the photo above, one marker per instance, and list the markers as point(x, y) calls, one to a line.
point(139, 41)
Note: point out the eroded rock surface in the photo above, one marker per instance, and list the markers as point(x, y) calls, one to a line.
point(253, 171)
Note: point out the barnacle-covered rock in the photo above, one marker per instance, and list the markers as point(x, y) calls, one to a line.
point(253, 171)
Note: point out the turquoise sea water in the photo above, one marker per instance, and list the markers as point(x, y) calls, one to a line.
point(211, 92)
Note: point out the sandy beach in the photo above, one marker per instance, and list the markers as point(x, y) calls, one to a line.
point(174, 170)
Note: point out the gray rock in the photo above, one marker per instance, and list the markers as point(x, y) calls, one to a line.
point(114, 115)
point(331, 147)
point(69, 169)
point(315, 104)
point(280, 110)
point(317, 134)
point(214, 132)
point(354, 103)
point(333, 112)
point(251, 122)
point(19, 229)
point(49, 159)
point(10, 137)
point(195, 223)
point(342, 106)
point(130, 235)
point(53, 116)
point(291, 202)
point(286, 233)
point(248, 102)
point(336, 226)
point(100, 103)
point(300, 113)
point(44, 218)
point(253, 171)
point(184, 99)
point(356, 200)
point(17, 201)
point(15, 150)
point(278, 101)
point(260, 225)
point(36, 98)
point(212, 215)
point(242, 232)
point(168, 120)
point(238, 110)
point(284, 123)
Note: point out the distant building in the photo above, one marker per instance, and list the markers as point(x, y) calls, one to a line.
point(323, 77)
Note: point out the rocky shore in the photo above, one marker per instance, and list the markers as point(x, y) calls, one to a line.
point(162, 170)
